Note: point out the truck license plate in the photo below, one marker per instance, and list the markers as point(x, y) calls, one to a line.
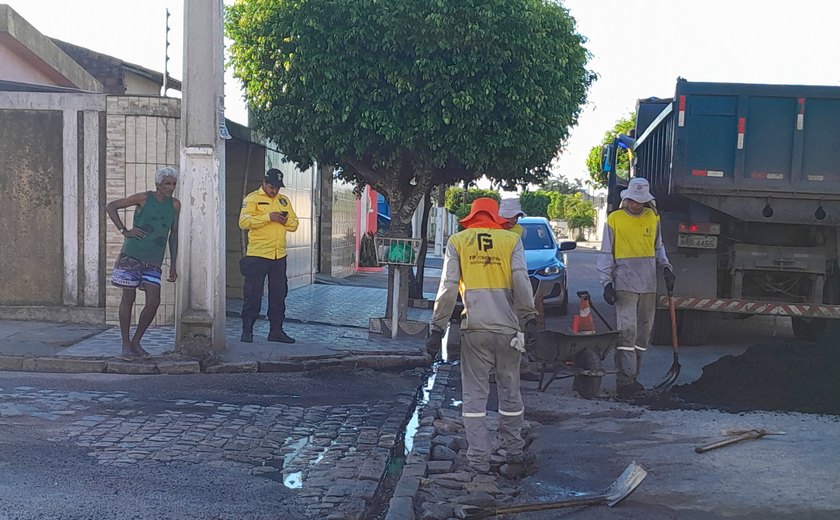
point(698, 241)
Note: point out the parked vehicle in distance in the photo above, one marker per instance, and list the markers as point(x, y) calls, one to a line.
point(546, 262)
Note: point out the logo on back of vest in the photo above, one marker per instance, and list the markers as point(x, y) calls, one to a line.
point(485, 242)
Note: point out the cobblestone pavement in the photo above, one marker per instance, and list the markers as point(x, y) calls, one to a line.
point(334, 456)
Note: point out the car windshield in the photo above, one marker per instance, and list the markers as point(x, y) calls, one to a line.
point(536, 236)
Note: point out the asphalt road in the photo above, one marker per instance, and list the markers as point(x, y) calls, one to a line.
point(159, 447)
point(584, 445)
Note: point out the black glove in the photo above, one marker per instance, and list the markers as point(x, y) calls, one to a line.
point(531, 333)
point(435, 342)
point(670, 278)
point(609, 294)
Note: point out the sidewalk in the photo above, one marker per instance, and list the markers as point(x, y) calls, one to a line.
point(329, 322)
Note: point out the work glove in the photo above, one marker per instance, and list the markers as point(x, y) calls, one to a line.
point(435, 342)
point(609, 294)
point(531, 333)
point(670, 278)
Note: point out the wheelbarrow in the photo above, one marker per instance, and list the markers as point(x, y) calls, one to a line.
point(563, 355)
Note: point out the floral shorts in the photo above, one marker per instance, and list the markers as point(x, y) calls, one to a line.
point(130, 273)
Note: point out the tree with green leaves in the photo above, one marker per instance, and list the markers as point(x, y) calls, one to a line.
point(405, 96)
point(535, 203)
point(579, 213)
point(593, 161)
point(562, 185)
point(557, 207)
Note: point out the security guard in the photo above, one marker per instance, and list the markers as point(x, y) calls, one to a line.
point(631, 250)
point(487, 264)
point(268, 216)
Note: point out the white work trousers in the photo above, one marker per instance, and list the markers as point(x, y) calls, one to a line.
point(481, 352)
point(634, 314)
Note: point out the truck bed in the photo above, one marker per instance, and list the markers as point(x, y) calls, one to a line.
point(769, 140)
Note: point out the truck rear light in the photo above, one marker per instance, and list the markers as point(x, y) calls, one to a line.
point(768, 176)
point(681, 113)
point(742, 129)
point(700, 228)
point(707, 173)
point(800, 115)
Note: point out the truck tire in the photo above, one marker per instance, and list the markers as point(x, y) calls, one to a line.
point(814, 329)
point(587, 386)
point(661, 333)
point(693, 328)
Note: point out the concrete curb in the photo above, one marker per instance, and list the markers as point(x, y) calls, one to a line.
point(401, 506)
point(185, 367)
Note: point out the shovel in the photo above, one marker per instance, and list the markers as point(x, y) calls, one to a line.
point(625, 484)
point(674, 372)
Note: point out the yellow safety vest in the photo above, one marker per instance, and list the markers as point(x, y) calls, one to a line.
point(634, 236)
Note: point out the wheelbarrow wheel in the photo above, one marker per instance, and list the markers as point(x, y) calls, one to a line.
point(585, 385)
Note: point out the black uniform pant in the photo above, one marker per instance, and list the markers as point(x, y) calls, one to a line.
point(255, 269)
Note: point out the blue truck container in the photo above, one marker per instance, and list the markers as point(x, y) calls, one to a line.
point(747, 180)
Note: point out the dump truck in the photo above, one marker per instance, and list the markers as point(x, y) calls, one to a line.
point(747, 182)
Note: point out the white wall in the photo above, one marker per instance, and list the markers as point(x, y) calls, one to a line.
point(300, 189)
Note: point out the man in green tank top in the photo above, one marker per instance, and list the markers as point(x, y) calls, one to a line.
point(139, 264)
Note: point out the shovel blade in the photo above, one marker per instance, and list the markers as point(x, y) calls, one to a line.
point(625, 484)
point(670, 378)
point(620, 489)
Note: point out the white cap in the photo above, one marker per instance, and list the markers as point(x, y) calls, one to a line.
point(510, 208)
point(638, 189)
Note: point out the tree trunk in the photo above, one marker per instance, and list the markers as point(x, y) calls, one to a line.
point(398, 230)
point(403, 198)
point(417, 279)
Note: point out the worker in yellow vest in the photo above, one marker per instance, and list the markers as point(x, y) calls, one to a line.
point(486, 263)
point(631, 251)
point(511, 210)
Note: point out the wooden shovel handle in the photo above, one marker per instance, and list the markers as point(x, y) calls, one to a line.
point(752, 434)
point(673, 311)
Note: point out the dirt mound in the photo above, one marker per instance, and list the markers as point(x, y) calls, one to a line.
point(790, 376)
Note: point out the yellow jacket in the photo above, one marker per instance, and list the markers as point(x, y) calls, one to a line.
point(631, 250)
point(488, 267)
point(266, 239)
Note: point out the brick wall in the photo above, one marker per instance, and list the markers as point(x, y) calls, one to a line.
point(142, 135)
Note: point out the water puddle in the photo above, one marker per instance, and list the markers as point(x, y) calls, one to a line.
point(293, 480)
point(422, 400)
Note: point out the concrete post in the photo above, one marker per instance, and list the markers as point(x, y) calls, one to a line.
point(200, 302)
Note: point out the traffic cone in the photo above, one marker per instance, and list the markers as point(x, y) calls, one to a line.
point(583, 323)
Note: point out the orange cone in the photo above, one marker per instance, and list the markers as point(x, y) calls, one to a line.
point(583, 323)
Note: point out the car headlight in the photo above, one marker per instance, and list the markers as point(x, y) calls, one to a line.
point(550, 270)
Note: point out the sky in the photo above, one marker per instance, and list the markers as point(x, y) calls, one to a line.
point(639, 48)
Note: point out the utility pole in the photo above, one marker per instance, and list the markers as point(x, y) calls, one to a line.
point(165, 58)
point(200, 301)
